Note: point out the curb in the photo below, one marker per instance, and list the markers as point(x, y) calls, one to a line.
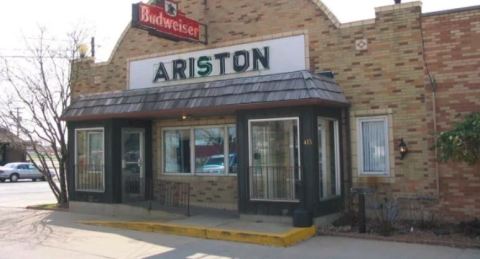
point(285, 239)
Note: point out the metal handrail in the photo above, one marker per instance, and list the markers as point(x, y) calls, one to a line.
point(90, 177)
point(273, 183)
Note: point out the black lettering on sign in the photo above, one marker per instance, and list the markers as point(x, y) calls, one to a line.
point(179, 66)
point(264, 58)
point(191, 67)
point(161, 73)
point(241, 54)
point(221, 58)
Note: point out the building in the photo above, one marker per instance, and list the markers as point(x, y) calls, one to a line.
point(11, 148)
point(264, 109)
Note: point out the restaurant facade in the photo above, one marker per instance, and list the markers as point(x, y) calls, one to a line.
point(271, 107)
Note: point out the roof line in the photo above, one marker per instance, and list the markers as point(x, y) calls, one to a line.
point(175, 90)
point(225, 108)
point(455, 10)
point(308, 89)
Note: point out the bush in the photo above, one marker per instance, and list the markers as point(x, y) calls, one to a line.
point(470, 228)
point(386, 214)
point(461, 143)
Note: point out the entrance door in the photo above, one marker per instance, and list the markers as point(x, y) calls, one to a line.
point(133, 164)
point(274, 159)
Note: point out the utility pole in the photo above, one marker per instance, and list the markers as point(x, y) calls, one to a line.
point(18, 120)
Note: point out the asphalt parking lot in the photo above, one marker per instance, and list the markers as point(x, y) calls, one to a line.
point(24, 193)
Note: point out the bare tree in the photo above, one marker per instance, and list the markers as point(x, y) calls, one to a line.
point(40, 87)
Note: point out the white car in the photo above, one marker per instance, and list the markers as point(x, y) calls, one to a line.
point(16, 171)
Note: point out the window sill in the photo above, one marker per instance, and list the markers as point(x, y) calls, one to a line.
point(372, 178)
point(276, 201)
point(91, 191)
point(197, 175)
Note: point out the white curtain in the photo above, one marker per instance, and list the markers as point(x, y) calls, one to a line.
point(374, 146)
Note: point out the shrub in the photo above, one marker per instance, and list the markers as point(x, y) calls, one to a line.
point(462, 143)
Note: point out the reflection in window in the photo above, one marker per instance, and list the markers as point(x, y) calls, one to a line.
point(177, 151)
point(213, 148)
point(209, 150)
point(89, 144)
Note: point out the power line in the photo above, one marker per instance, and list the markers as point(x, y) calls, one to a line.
point(20, 56)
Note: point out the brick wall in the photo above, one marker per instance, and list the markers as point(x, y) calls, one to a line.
point(452, 43)
point(387, 78)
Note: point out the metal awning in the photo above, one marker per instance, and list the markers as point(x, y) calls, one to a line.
point(217, 97)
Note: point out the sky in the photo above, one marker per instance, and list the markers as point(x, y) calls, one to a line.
point(106, 19)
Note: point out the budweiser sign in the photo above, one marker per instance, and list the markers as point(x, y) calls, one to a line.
point(165, 19)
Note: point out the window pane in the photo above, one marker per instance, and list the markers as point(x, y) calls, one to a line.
point(274, 159)
point(209, 151)
point(95, 147)
point(327, 161)
point(177, 151)
point(374, 146)
point(89, 160)
point(232, 150)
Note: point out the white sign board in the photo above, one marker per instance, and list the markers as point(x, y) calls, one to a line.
point(252, 59)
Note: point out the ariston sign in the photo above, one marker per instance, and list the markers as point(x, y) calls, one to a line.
point(266, 57)
point(165, 19)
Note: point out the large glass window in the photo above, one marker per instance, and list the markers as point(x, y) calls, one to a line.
point(373, 145)
point(89, 160)
point(328, 158)
point(232, 150)
point(274, 159)
point(212, 149)
point(176, 151)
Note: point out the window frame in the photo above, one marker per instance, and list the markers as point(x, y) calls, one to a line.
point(336, 152)
point(77, 130)
point(191, 130)
point(250, 162)
point(296, 119)
point(360, 154)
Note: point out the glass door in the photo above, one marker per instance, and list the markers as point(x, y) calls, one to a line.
point(328, 158)
point(133, 165)
point(274, 159)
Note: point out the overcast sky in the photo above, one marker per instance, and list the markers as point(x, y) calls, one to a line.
point(108, 18)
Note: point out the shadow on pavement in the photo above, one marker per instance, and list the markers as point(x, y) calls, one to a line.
point(181, 246)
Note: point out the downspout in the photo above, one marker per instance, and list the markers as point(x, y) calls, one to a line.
point(433, 85)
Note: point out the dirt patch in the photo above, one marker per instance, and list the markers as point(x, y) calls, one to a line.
point(463, 235)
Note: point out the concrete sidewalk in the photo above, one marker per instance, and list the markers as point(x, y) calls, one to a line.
point(47, 234)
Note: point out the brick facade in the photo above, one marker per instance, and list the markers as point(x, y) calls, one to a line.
point(452, 43)
point(387, 78)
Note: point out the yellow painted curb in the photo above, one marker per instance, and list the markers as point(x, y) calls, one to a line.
point(284, 239)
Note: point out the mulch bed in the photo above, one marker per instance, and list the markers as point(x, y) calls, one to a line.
point(416, 236)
